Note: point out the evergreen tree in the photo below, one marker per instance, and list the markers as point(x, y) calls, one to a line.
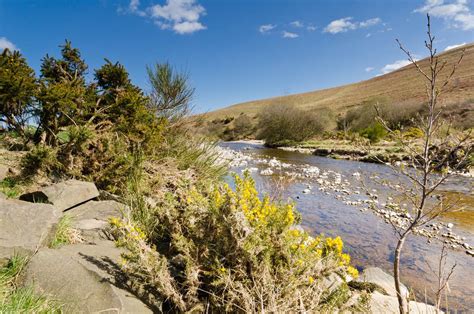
point(63, 95)
point(18, 87)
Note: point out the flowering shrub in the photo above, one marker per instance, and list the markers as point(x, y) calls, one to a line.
point(228, 250)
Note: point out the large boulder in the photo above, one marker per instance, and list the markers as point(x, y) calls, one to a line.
point(92, 218)
point(380, 303)
point(85, 278)
point(64, 195)
point(24, 226)
point(382, 279)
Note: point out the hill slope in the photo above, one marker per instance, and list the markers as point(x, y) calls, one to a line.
point(403, 86)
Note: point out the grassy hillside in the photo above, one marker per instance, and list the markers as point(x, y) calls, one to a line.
point(404, 86)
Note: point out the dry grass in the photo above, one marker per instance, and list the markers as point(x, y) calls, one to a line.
point(399, 87)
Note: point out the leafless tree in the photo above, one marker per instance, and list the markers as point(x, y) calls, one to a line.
point(432, 160)
point(443, 275)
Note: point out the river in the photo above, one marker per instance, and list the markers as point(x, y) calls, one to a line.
point(367, 237)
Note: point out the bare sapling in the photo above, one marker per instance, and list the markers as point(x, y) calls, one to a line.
point(432, 159)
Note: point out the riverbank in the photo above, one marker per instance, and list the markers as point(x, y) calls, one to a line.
point(382, 152)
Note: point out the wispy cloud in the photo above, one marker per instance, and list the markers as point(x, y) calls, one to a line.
point(311, 28)
point(369, 69)
point(454, 46)
point(394, 66)
point(347, 23)
point(181, 16)
point(297, 24)
point(286, 34)
point(6, 44)
point(456, 12)
point(266, 28)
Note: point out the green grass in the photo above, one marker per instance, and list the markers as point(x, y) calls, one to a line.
point(65, 233)
point(15, 299)
point(9, 187)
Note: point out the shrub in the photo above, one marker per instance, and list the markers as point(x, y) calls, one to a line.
point(374, 133)
point(41, 158)
point(280, 123)
point(222, 249)
point(364, 115)
point(413, 132)
point(243, 127)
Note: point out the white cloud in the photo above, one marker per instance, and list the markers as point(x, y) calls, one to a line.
point(188, 27)
point(286, 34)
point(370, 22)
point(454, 46)
point(311, 28)
point(266, 28)
point(296, 24)
point(182, 16)
point(340, 26)
point(394, 66)
point(6, 44)
point(345, 24)
point(369, 69)
point(456, 12)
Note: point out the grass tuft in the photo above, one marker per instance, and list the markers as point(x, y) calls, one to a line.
point(65, 233)
point(15, 299)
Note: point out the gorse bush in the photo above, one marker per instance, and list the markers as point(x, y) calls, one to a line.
point(374, 133)
point(214, 247)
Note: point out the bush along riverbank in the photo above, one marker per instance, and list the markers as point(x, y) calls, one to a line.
point(382, 152)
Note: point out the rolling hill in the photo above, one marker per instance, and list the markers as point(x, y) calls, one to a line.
point(403, 86)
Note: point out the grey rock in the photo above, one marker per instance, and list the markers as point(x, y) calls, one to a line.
point(24, 226)
point(379, 277)
point(332, 282)
point(380, 303)
point(92, 218)
point(2, 196)
point(85, 278)
point(64, 195)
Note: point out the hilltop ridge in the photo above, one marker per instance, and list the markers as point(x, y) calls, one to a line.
point(402, 86)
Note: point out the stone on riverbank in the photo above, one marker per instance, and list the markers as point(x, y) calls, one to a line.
point(24, 226)
point(64, 195)
point(86, 278)
point(380, 303)
point(382, 279)
point(92, 217)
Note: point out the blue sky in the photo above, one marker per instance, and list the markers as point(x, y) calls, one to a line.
point(238, 50)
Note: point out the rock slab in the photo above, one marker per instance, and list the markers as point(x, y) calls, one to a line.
point(24, 226)
point(86, 278)
point(91, 218)
point(380, 303)
point(379, 277)
point(64, 195)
